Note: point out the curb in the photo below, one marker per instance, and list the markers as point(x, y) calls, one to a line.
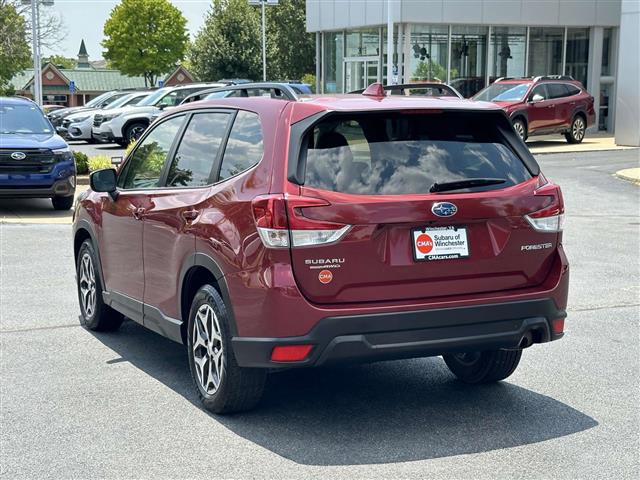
point(82, 180)
point(630, 175)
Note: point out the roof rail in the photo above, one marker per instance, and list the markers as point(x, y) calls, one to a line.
point(553, 77)
point(287, 92)
point(404, 86)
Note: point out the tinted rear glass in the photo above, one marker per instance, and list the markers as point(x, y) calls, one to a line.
point(392, 154)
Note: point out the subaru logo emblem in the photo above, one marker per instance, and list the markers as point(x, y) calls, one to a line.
point(444, 209)
point(18, 156)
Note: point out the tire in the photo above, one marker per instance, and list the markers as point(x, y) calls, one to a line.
point(483, 367)
point(134, 131)
point(577, 130)
point(100, 317)
point(62, 203)
point(520, 128)
point(237, 389)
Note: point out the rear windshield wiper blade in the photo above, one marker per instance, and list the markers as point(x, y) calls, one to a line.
point(468, 183)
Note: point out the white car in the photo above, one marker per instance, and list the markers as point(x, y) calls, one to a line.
point(78, 126)
point(123, 125)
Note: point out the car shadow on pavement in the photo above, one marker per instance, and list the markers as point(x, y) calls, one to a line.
point(367, 414)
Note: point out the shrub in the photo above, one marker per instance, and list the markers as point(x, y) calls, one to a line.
point(100, 162)
point(311, 80)
point(82, 163)
point(129, 148)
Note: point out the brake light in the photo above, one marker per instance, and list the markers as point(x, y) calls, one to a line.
point(290, 353)
point(281, 223)
point(551, 217)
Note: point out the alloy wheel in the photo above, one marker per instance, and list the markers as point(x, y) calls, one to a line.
point(135, 133)
point(207, 349)
point(87, 284)
point(577, 129)
point(519, 128)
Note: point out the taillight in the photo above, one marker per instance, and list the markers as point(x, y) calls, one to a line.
point(551, 217)
point(281, 222)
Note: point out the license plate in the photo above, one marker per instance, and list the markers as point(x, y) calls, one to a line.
point(440, 243)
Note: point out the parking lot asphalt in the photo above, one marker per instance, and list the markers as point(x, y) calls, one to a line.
point(121, 405)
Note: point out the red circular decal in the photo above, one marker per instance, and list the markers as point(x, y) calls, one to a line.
point(424, 243)
point(325, 276)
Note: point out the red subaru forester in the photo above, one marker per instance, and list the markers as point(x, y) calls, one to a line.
point(268, 234)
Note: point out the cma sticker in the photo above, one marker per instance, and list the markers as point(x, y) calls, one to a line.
point(325, 276)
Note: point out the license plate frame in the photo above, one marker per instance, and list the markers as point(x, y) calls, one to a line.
point(455, 233)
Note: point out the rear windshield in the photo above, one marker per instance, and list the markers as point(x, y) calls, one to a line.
point(395, 153)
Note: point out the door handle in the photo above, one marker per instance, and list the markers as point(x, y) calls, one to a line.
point(138, 213)
point(572, 103)
point(190, 215)
point(551, 106)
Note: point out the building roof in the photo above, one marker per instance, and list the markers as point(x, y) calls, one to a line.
point(86, 80)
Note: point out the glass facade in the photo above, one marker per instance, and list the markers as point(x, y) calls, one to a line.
point(607, 52)
point(508, 52)
point(333, 65)
point(545, 51)
point(428, 53)
point(577, 60)
point(468, 59)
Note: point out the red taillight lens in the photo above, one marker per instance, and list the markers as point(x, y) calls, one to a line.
point(290, 353)
point(280, 220)
point(551, 217)
point(557, 325)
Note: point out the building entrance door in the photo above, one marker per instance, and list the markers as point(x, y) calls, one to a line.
point(360, 72)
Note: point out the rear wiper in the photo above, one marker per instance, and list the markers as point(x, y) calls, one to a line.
point(469, 183)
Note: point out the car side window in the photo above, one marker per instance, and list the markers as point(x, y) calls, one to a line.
point(244, 147)
point(557, 90)
point(144, 168)
point(196, 156)
point(540, 90)
point(573, 90)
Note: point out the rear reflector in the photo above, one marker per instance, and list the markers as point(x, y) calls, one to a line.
point(557, 325)
point(290, 353)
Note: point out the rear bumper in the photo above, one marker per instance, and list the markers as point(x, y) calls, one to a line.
point(423, 333)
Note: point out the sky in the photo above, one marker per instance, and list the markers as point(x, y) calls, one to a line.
point(84, 19)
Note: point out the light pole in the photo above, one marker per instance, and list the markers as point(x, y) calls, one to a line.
point(35, 45)
point(262, 4)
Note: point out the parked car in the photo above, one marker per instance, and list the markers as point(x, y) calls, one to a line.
point(124, 125)
point(424, 89)
point(48, 108)
point(78, 126)
point(57, 116)
point(34, 161)
point(543, 105)
point(294, 233)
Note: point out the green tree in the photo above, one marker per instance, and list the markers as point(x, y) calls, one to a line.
point(145, 37)
point(291, 50)
point(15, 55)
point(429, 70)
point(60, 61)
point(229, 43)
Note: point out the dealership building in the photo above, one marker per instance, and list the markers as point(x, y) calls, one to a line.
point(471, 43)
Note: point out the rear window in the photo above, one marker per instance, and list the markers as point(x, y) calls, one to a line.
point(394, 154)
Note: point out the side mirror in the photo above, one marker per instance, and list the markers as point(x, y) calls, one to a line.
point(162, 106)
point(104, 180)
point(536, 98)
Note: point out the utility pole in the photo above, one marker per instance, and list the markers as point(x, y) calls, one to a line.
point(390, 69)
point(263, 4)
point(35, 46)
point(264, 46)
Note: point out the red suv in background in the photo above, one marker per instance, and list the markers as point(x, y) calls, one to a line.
point(543, 105)
point(268, 234)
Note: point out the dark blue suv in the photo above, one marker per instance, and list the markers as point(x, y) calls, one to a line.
point(34, 161)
